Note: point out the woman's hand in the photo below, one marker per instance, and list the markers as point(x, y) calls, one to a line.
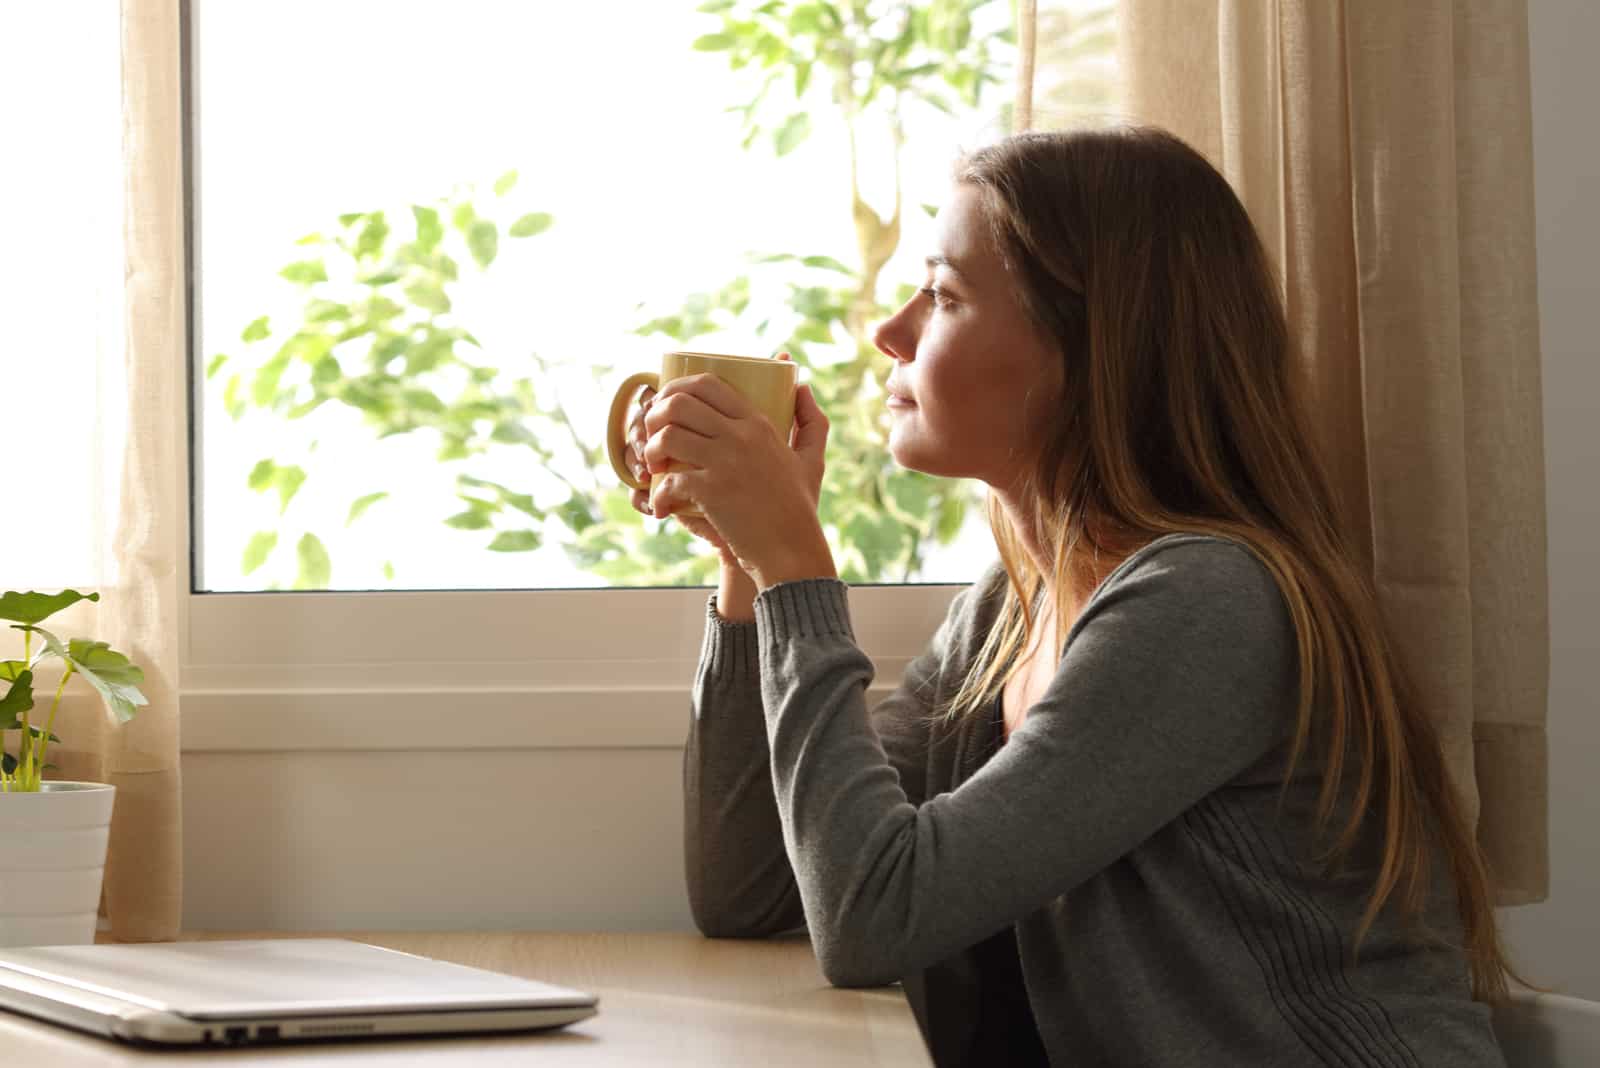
point(640, 499)
point(758, 491)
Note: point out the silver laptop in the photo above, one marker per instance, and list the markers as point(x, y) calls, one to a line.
point(272, 990)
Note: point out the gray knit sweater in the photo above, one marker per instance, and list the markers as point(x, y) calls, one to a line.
point(1165, 910)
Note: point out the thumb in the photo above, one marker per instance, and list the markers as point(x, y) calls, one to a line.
point(810, 424)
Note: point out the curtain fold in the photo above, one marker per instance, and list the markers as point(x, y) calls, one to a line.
point(144, 606)
point(1384, 152)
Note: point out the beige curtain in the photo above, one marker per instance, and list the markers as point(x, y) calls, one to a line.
point(144, 525)
point(1384, 151)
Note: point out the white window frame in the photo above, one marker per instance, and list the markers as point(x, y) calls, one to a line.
point(456, 670)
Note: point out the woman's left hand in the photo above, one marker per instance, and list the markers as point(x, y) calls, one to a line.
point(758, 491)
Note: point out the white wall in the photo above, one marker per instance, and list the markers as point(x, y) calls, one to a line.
point(1558, 942)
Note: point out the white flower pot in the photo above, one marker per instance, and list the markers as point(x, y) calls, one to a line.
point(55, 856)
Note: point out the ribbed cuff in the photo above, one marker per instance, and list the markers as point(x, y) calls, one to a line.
point(729, 648)
point(808, 608)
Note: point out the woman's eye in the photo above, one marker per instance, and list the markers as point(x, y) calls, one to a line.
point(936, 295)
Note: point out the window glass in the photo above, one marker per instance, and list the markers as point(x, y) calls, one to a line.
point(431, 238)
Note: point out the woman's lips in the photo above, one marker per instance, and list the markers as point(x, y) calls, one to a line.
point(897, 401)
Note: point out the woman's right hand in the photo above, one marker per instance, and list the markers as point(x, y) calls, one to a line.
point(640, 499)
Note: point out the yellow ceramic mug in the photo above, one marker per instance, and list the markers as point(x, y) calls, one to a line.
point(767, 384)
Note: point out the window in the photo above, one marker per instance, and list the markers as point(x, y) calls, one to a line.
point(429, 239)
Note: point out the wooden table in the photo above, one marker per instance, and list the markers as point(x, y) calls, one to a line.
point(664, 999)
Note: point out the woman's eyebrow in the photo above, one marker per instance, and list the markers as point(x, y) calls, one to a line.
point(945, 262)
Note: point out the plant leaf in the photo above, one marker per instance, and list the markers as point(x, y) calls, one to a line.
point(32, 607)
point(18, 699)
point(471, 519)
point(257, 330)
point(483, 239)
point(515, 541)
point(305, 272)
point(111, 673)
point(429, 296)
point(361, 504)
point(430, 231)
point(315, 568)
point(503, 184)
point(535, 222)
point(255, 554)
point(791, 133)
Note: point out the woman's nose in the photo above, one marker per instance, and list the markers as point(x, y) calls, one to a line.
point(892, 337)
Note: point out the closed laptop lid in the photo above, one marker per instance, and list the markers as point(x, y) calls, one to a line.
point(272, 977)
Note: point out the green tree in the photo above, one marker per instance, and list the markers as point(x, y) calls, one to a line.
point(375, 330)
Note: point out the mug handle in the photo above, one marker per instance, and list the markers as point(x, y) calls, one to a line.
point(617, 425)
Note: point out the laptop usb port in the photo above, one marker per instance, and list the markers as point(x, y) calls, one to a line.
point(236, 1034)
point(267, 1031)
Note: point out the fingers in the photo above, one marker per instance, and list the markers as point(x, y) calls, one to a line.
point(637, 436)
point(810, 422)
point(678, 445)
point(672, 492)
point(717, 394)
point(640, 499)
point(687, 410)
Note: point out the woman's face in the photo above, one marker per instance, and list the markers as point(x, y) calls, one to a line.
point(974, 381)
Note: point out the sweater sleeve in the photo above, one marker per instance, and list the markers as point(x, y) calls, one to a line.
point(1180, 673)
point(739, 878)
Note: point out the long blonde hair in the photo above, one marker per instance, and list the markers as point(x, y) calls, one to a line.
point(1182, 412)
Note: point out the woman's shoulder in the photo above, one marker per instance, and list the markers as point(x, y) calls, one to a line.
point(1203, 572)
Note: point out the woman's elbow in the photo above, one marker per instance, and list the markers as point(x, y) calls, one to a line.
point(852, 966)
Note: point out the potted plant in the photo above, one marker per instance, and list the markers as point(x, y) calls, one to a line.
point(55, 832)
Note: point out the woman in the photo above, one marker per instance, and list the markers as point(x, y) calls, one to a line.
point(1157, 792)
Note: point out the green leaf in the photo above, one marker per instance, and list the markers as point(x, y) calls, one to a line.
point(288, 480)
point(430, 231)
point(515, 541)
point(361, 504)
point(503, 184)
point(256, 552)
point(471, 519)
point(326, 372)
point(11, 669)
point(791, 133)
point(828, 262)
point(713, 42)
point(370, 242)
point(326, 311)
point(261, 475)
point(535, 222)
point(429, 296)
point(268, 375)
point(483, 239)
point(257, 330)
point(108, 671)
point(215, 365)
point(574, 511)
point(305, 272)
point(111, 673)
point(34, 607)
point(712, 7)
point(315, 567)
point(388, 570)
point(513, 434)
point(18, 699)
point(464, 216)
